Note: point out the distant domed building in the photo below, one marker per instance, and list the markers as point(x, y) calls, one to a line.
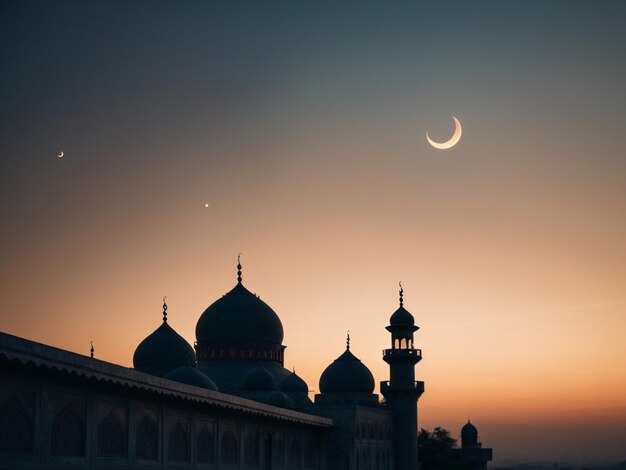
point(226, 403)
point(472, 455)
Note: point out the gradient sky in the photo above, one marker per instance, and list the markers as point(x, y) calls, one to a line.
point(303, 125)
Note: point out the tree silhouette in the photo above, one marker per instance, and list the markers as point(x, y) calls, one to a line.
point(437, 450)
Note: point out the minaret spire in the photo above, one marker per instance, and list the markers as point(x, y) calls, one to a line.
point(91, 350)
point(164, 310)
point(348, 340)
point(239, 268)
point(401, 294)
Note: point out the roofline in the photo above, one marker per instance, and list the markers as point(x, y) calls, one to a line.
point(23, 351)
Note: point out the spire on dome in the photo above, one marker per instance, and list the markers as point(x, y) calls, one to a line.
point(239, 268)
point(164, 310)
point(91, 350)
point(348, 340)
point(401, 294)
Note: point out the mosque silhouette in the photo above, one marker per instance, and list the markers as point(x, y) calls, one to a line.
point(226, 403)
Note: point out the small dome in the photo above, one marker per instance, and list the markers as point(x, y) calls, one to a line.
point(163, 351)
point(294, 384)
point(241, 318)
point(259, 379)
point(278, 398)
point(469, 432)
point(402, 317)
point(192, 376)
point(347, 374)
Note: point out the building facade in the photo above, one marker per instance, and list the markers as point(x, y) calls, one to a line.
point(226, 403)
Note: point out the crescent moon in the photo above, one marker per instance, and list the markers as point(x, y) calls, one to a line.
point(61, 154)
point(458, 130)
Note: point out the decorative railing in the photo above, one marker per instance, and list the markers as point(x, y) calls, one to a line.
point(418, 386)
point(402, 352)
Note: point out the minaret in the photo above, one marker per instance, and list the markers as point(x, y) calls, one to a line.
point(402, 391)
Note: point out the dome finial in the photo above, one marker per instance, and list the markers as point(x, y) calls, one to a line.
point(401, 294)
point(239, 268)
point(348, 340)
point(164, 310)
point(91, 350)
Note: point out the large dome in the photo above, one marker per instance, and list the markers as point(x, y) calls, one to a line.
point(239, 318)
point(347, 374)
point(163, 351)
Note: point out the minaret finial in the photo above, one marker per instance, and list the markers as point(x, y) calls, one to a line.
point(164, 310)
point(239, 268)
point(91, 351)
point(401, 294)
point(348, 340)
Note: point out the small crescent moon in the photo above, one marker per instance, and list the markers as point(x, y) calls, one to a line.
point(61, 154)
point(458, 130)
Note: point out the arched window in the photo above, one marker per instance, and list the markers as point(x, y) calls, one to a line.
point(206, 444)
point(251, 449)
point(16, 426)
point(178, 444)
point(403, 343)
point(229, 448)
point(68, 432)
point(396, 344)
point(146, 439)
point(112, 436)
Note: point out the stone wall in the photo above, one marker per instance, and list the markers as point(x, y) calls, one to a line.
point(53, 420)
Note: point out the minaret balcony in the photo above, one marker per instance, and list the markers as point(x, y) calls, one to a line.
point(402, 355)
point(417, 387)
point(402, 352)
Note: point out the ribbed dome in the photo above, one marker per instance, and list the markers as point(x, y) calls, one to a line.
point(259, 379)
point(162, 351)
point(239, 317)
point(294, 384)
point(347, 374)
point(402, 317)
point(192, 376)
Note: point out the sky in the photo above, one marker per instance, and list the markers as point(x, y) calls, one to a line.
point(303, 126)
